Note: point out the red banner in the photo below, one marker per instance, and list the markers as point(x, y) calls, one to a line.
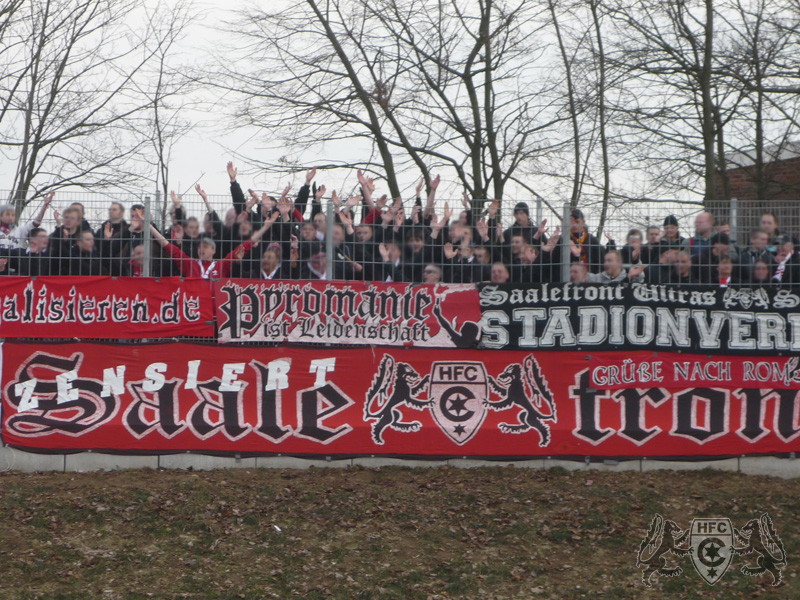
point(184, 397)
point(354, 313)
point(102, 307)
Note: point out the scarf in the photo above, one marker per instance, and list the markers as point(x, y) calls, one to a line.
point(580, 243)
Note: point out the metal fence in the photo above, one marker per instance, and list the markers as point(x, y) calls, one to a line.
point(669, 242)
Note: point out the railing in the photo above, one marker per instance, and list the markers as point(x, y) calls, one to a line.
point(451, 240)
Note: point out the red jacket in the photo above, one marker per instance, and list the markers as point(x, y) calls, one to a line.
point(207, 269)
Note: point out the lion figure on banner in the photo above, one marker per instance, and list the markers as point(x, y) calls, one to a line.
point(759, 536)
point(663, 537)
point(395, 384)
point(524, 387)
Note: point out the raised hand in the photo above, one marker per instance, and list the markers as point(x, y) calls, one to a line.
point(361, 178)
point(295, 244)
point(310, 174)
point(337, 202)
point(284, 206)
point(415, 212)
point(267, 202)
point(483, 230)
point(57, 216)
point(353, 201)
point(201, 192)
point(176, 200)
point(320, 193)
point(636, 270)
point(574, 249)
point(541, 230)
point(381, 201)
point(3, 263)
point(551, 243)
point(465, 200)
point(448, 251)
point(493, 208)
point(286, 191)
point(419, 185)
point(232, 171)
point(48, 198)
point(435, 183)
point(345, 216)
point(239, 253)
point(253, 195)
point(108, 231)
point(384, 251)
point(177, 232)
point(447, 213)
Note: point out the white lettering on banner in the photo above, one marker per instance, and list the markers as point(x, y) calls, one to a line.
point(321, 366)
point(39, 304)
point(528, 316)
point(113, 381)
point(191, 376)
point(28, 401)
point(709, 319)
point(278, 377)
point(230, 374)
point(495, 334)
point(593, 327)
point(355, 313)
point(155, 377)
point(66, 392)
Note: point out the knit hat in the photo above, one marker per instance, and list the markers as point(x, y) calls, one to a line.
point(671, 220)
point(720, 238)
point(522, 206)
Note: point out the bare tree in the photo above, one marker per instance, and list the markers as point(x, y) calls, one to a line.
point(674, 105)
point(70, 92)
point(761, 57)
point(168, 90)
point(427, 85)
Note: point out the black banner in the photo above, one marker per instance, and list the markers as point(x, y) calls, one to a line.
point(640, 317)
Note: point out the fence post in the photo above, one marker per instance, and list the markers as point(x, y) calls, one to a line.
point(538, 211)
point(329, 241)
point(565, 252)
point(146, 237)
point(734, 220)
point(158, 221)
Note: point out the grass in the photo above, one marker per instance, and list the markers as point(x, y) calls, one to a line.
point(369, 533)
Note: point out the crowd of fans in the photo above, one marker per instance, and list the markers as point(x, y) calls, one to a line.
point(375, 239)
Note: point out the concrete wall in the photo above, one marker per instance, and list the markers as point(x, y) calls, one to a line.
point(16, 460)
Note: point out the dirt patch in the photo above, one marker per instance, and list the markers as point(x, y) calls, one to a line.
point(369, 533)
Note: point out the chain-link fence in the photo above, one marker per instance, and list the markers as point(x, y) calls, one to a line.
point(308, 236)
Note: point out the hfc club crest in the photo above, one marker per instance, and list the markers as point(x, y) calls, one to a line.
point(457, 392)
point(459, 395)
point(712, 544)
